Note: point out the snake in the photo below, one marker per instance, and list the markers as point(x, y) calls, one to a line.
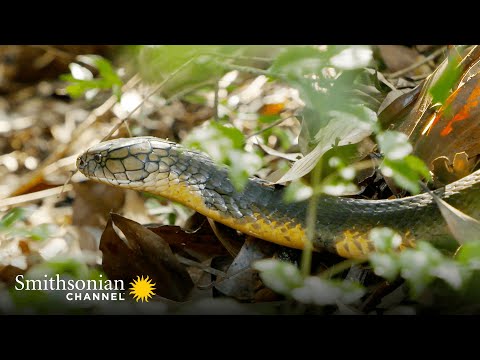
point(343, 224)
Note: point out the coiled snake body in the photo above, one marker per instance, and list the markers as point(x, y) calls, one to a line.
point(189, 177)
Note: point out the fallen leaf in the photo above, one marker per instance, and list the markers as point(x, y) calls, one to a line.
point(94, 201)
point(455, 127)
point(446, 172)
point(242, 281)
point(143, 254)
point(201, 243)
point(398, 57)
point(9, 273)
point(463, 227)
point(271, 109)
point(346, 127)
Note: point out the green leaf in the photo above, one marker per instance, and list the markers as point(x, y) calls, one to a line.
point(385, 265)
point(280, 276)
point(394, 144)
point(225, 145)
point(11, 217)
point(354, 57)
point(72, 267)
point(347, 128)
point(319, 291)
point(469, 254)
point(235, 135)
point(297, 191)
point(81, 82)
point(268, 119)
point(385, 239)
point(440, 90)
point(406, 172)
point(422, 265)
point(450, 272)
point(242, 165)
point(297, 61)
point(338, 185)
point(156, 63)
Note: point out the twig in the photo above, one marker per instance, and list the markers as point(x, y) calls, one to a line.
point(196, 264)
point(35, 196)
point(38, 174)
point(430, 57)
point(187, 91)
point(275, 123)
point(247, 69)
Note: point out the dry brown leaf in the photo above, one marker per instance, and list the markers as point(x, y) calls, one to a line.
point(94, 201)
point(9, 273)
point(242, 281)
point(398, 57)
point(143, 254)
point(271, 109)
point(456, 126)
point(446, 172)
point(201, 243)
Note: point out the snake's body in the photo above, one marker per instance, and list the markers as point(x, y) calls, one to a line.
point(189, 177)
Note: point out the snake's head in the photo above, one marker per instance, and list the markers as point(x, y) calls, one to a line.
point(130, 162)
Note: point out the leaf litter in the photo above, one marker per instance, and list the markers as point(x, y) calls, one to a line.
point(42, 139)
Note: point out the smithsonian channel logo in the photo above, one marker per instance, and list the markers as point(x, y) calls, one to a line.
point(89, 290)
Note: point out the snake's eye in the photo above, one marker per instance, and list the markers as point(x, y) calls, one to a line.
point(97, 158)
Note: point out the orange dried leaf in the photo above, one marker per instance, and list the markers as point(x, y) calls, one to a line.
point(456, 126)
point(272, 109)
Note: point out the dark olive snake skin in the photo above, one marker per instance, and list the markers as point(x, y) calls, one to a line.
point(167, 169)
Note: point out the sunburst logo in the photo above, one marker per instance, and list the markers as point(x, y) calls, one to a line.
point(142, 288)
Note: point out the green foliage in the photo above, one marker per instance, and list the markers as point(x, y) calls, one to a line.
point(318, 291)
point(10, 218)
point(201, 63)
point(286, 279)
point(385, 239)
point(81, 79)
point(297, 191)
point(406, 170)
point(10, 225)
point(469, 255)
point(44, 301)
point(280, 276)
point(225, 145)
point(394, 145)
point(442, 87)
point(331, 113)
point(39, 232)
point(422, 265)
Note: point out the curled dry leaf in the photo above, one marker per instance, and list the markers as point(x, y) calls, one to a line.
point(446, 172)
point(464, 228)
point(242, 281)
point(456, 126)
point(143, 253)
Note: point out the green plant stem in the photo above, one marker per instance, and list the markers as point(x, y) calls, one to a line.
point(311, 220)
point(341, 267)
point(215, 99)
point(247, 69)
